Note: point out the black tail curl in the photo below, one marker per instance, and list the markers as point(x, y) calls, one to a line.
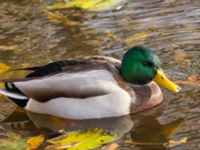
point(13, 89)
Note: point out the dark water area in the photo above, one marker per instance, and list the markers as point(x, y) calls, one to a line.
point(171, 27)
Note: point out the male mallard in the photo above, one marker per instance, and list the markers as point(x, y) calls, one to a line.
point(94, 87)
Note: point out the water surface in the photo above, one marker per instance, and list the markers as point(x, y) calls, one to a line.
point(171, 27)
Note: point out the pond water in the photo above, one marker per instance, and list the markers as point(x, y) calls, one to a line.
point(172, 27)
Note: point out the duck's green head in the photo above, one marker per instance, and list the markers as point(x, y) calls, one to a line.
point(140, 66)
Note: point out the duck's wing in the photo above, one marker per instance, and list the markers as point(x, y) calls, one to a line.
point(68, 79)
point(77, 85)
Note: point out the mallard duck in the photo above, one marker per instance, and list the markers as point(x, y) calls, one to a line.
point(93, 87)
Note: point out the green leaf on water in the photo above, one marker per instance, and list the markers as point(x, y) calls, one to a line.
point(74, 140)
point(12, 141)
point(94, 5)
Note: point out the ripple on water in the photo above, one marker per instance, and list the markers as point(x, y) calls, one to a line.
point(171, 27)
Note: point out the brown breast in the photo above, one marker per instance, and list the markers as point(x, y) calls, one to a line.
point(146, 96)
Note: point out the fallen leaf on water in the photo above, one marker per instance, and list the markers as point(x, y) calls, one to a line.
point(60, 146)
point(136, 38)
point(77, 3)
point(34, 142)
point(173, 143)
point(13, 141)
point(106, 5)
point(94, 5)
point(193, 80)
point(3, 67)
point(80, 140)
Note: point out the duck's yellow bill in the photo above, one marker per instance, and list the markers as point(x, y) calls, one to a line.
point(163, 81)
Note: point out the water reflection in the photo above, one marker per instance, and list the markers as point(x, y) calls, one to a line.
point(153, 134)
point(145, 129)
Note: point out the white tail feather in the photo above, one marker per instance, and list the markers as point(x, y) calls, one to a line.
point(12, 95)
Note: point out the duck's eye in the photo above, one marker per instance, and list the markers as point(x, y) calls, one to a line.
point(148, 64)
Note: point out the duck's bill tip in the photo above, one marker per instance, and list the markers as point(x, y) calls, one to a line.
point(163, 81)
point(177, 89)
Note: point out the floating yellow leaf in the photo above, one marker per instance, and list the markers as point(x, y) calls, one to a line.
point(85, 4)
point(95, 5)
point(80, 140)
point(34, 142)
point(60, 146)
point(136, 38)
point(106, 5)
point(3, 67)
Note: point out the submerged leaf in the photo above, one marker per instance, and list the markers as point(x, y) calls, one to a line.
point(34, 142)
point(80, 140)
point(95, 5)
